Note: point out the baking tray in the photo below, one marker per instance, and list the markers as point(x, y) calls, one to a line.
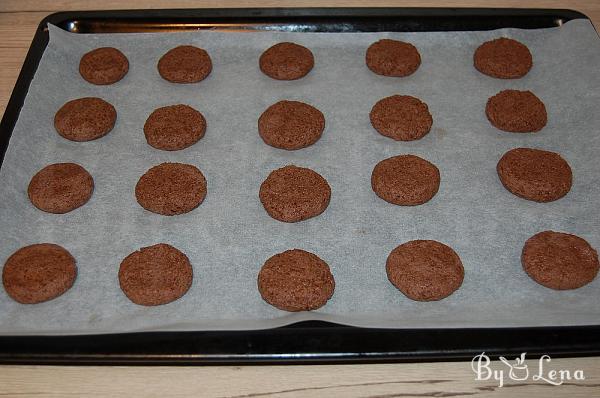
point(305, 342)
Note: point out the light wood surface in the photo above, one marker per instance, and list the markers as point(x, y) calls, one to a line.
point(18, 20)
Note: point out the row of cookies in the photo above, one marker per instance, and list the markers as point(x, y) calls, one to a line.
point(292, 193)
point(292, 125)
point(295, 280)
point(501, 58)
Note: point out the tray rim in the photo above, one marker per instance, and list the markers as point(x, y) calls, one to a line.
point(580, 340)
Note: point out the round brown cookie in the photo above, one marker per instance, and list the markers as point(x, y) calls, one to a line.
point(405, 180)
point(171, 188)
point(559, 261)
point(155, 275)
point(38, 273)
point(291, 125)
point(185, 64)
point(286, 61)
point(534, 174)
point(503, 58)
point(401, 117)
point(516, 111)
point(296, 280)
point(60, 188)
point(393, 58)
point(425, 270)
point(174, 127)
point(102, 66)
point(85, 119)
point(292, 194)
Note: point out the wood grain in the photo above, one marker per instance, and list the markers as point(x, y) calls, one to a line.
point(18, 20)
point(60, 5)
point(375, 381)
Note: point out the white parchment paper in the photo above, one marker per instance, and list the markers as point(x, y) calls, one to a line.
point(230, 235)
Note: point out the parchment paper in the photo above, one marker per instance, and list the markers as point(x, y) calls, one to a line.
point(229, 236)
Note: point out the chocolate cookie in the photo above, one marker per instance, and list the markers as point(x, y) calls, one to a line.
point(103, 66)
point(291, 125)
point(405, 180)
point(85, 119)
point(60, 188)
point(171, 188)
point(559, 261)
point(38, 273)
point(425, 270)
point(401, 117)
point(534, 174)
point(155, 275)
point(286, 61)
point(503, 58)
point(516, 111)
point(292, 194)
point(185, 64)
point(296, 280)
point(393, 58)
point(174, 127)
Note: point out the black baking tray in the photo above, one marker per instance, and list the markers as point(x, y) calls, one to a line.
point(305, 342)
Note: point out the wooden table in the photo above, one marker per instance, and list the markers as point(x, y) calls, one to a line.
point(18, 20)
